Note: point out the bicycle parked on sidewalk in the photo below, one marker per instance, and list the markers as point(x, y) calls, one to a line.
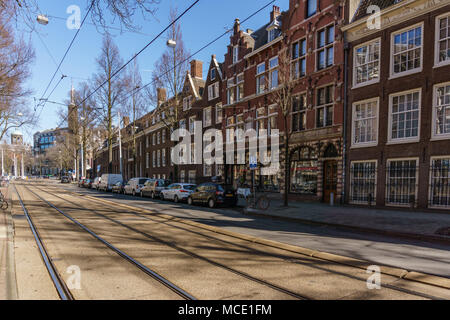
point(3, 201)
point(261, 202)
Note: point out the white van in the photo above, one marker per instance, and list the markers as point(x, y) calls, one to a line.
point(134, 186)
point(108, 180)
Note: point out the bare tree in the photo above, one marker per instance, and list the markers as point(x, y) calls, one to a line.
point(16, 57)
point(112, 92)
point(283, 98)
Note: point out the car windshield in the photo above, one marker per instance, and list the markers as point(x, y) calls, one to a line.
point(189, 187)
point(142, 181)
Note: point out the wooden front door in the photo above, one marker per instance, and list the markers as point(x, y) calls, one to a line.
point(329, 180)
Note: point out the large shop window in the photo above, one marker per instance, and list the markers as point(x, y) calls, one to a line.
point(401, 182)
point(304, 171)
point(363, 182)
point(440, 183)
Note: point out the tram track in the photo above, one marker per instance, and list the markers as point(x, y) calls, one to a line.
point(286, 259)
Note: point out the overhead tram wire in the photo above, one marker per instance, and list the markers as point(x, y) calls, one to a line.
point(67, 51)
point(134, 90)
point(137, 54)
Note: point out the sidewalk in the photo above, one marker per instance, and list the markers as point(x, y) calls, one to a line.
point(7, 287)
point(424, 226)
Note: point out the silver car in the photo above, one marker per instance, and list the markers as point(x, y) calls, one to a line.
point(177, 191)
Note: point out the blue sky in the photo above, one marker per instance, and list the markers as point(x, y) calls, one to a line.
point(207, 20)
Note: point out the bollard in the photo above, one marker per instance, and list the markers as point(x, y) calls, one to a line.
point(332, 199)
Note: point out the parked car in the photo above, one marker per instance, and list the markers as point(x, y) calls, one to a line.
point(153, 187)
point(87, 183)
point(108, 180)
point(118, 187)
point(96, 183)
point(213, 194)
point(134, 186)
point(65, 179)
point(80, 183)
point(177, 192)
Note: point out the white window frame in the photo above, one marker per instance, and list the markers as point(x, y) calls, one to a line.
point(377, 121)
point(219, 108)
point(258, 77)
point(205, 122)
point(368, 82)
point(271, 71)
point(326, 105)
point(430, 205)
point(387, 180)
point(235, 54)
point(390, 140)
point(393, 75)
point(239, 83)
point(325, 47)
point(213, 91)
point(436, 42)
point(434, 136)
point(213, 74)
point(299, 59)
point(205, 168)
point(192, 124)
point(376, 181)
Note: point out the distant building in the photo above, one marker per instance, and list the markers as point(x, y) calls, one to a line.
point(46, 139)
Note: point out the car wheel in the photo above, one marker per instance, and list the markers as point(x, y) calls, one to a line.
point(162, 196)
point(175, 199)
point(211, 203)
point(190, 201)
point(134, 193)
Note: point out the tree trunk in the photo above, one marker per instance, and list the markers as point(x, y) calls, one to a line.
point(286, 171)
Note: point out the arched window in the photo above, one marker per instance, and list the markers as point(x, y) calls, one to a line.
point(330, 152)
point(304, 171)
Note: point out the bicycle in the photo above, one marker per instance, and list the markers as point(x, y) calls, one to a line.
point(3, 202)
point(261, 202)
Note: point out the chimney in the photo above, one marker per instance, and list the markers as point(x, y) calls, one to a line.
point(197, 69)
point(275, 13)
point(237, 26)
point(126, 121)
point(161, 95)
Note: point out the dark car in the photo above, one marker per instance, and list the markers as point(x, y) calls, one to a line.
point(213, 194)
point(65, 179)
point(118, 187)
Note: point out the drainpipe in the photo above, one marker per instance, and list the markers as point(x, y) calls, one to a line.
point(344, 125)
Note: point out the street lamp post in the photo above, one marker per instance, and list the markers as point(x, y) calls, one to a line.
point(171, 43)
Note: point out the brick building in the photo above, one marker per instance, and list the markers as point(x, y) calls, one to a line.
point(399, 105)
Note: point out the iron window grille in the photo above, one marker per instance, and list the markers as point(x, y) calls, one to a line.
point(401, 182)
point(363, 182)
point(440, 183)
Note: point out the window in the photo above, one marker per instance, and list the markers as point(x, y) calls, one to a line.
point(272, 34)
point(404, 116)
point(187, 103)
point(191, 125)
point(213, 91)
point(154, 159)
point(192, 154)
point(158, 158)
point(299, 113)
point(401, 182)
point(219, 113)
point(207, 170)
point(325, 49)
point(240, 127)
point(235, 54)
point(230, 91)
point(273, 73)
point(207, 120)
point(163, 136)
point(365, 123)
point(147, 160)
point(183, 124)
point(443, 40)
point(147, 141)
point(363, 177)
point(163, 157)
point(192, 175)
point(154, 139)
point(311, 7)
point(367, 63)
point(213, 74)
point(407, 51)
point(260, 78)
point(158, 139)
point(182, 175)
point(240, 87)
point(299, 59)
point(272, 120)
point(325, 98)
point(304, 171)
point(440, 182)
point(441, 111)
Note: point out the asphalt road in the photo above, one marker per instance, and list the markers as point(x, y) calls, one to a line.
point(409, 254)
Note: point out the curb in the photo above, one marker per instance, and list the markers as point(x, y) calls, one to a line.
point(397, 234)
point(414, 276)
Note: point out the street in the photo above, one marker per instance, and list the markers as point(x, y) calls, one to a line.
point(107, 246)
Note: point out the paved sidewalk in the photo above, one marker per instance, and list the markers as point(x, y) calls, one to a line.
point(425, 226)
point(7, 282)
